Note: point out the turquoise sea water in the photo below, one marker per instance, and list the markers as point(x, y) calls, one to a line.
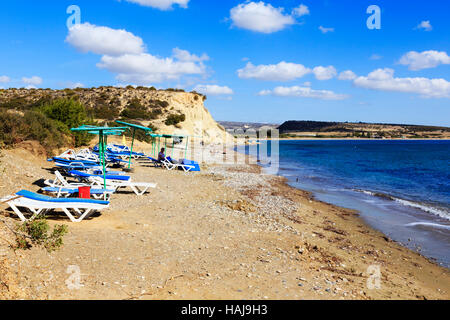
point(401, 188)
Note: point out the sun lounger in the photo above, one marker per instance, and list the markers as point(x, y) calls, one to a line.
point(153, 161)
point(70, 191)
point(60, 181)
point(39, 204)
point(115, 182)
point(85, 176)
point(170, 165)
point(77, 166)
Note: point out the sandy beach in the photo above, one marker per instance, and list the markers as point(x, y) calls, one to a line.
point(228, 232)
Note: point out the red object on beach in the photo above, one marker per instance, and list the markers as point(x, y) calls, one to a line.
point(84, 192)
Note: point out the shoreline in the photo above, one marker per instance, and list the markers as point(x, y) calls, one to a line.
point(365, 218)
point(229, 232)
point(357, 214)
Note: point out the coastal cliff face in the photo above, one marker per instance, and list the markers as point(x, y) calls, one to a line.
point(154, 108)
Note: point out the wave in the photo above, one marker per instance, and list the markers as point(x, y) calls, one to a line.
point(440, 212)
point(428, 224)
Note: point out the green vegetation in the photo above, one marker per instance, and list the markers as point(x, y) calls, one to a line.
point(36, 233)
point(31, 125)
point(105, 108)
point(46, 121)
point(175, 90)
point(69, 113)
point(140, 135)
point(21, 103)
point(135, 110)
point(175, 119)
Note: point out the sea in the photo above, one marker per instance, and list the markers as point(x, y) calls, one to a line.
point(399, 187)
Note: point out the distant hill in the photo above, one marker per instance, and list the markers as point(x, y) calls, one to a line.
point(322, 129)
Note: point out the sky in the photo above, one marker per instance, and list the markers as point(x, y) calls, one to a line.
point(257, 61)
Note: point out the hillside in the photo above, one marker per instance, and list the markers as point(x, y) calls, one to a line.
point(323, 129)
point(166, 111)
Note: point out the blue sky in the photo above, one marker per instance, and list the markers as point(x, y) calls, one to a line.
point(285, 66)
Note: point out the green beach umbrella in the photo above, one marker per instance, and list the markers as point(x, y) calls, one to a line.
point(173, 137)
point(133, 127)
point(103, 133)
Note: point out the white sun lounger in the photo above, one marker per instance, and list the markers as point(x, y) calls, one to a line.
point(39, 204)
point(171, 166)
point(60, 181)
point(60, 186)
point(139, 188)
point(69, 191)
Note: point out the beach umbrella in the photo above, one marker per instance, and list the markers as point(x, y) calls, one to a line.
point(170, 136)
point(103, 133)
point(133, 127)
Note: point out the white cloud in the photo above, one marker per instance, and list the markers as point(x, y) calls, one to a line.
point(425, 25)
point(383, 79)
point(161, 4)
point(325, 73)
point(212, 89)
point(76, 85)
point(260, 17)
point(184, 55)
point(347, 75)
point(30, 87)
point(33, 81)
point(424, 60)
point(124, 54)
point(145, 68)
point(283, 71)
point(326, 30)
point(304, 92)
point(4, 79)
point(103, 40)
point(307, 84)
point(302, 10)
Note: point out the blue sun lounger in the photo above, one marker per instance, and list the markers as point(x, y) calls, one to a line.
point(67, 192)
point(114, 181)
point(85, 175)
point(38, 204)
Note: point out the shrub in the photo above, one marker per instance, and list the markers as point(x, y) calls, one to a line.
point(32, 125)
point(158, 104)
point(175, 90)
point(174, 119)
point(140, 134)
point(135, 110)
point(71, 114)
point(36, 232)
point(67, 111)
point(153, 127)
